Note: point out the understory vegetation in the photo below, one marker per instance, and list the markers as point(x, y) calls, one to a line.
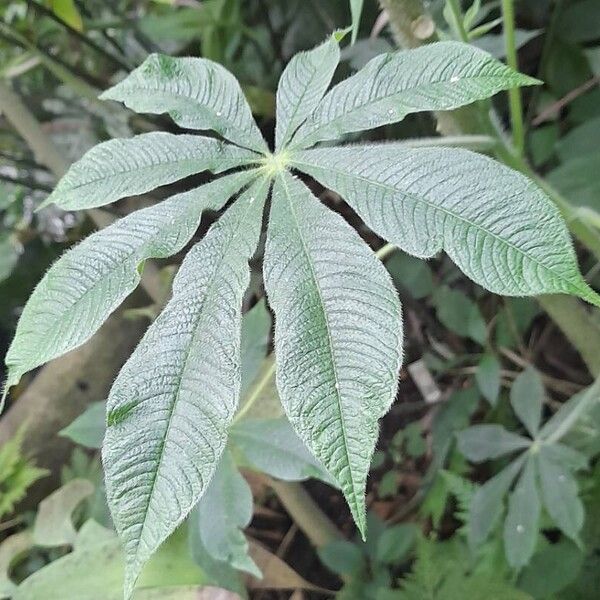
point(298, 299)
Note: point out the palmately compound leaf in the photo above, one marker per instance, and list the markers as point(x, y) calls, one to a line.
point(127, 167)
point(439, 76)
point(486, 442)
point(522, 519)
point(486, 505)
point(527, 399)
point(560, 495)
point(338, 334)
point(302, 85)
point(171, 405)
point(197, 93)
point(89, 282)
point(495, 224)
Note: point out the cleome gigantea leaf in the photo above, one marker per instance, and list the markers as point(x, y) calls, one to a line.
point(302, 85)
point(126, 167)
point(495, 224)
point(83, 287)
point(197, 93)
point(439, 76)
point(170, 407)
point(338, 334)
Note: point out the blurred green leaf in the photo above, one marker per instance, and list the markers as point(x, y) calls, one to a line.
point(488, 378)
point(342, 557)
point(460, 314)
point(89, 427)
point(527, 399)
point(486, 442)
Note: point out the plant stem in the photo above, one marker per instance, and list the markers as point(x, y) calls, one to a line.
point(458, 19)
point(306, 513)
point(514, 93)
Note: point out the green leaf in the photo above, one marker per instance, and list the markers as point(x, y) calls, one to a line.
point(412, 275)
point(356, 8)
point(9, 254)
point(497, 226)
point(395, 543)
point(224, 510)
point(342, 557)
point(488, 378)
point(486, 442)
point(487, 503)
point(580, 141)
point(522, 519)
point(570, 413)
point(170, 407)
point(197, 93)
point(54, 522)
point(560, 494)
point(256, 326)
point(527, 399)
point(85, 285)
point(552, 569)
point(272, 446)
point(459, 313)
point(89, 427)
point(332, 298)
point(439, 76)
point(127, 167)
point(301, 87)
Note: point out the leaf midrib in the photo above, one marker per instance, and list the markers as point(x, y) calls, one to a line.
point(184, 364)
point(449, 213)
point(400, 114)
point(329, 340)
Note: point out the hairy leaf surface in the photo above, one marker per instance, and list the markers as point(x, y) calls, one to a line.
point(126, 167)
point(84, 286)
point(197, 93)
point(171, 404)
point(332, 299)
point(301, 87)
point(495, 224)
point(439, 76)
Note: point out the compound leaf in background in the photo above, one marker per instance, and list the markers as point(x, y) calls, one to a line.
point(256, 326)
point(486, 442)
point(171, 405)
point(527, 399)
point(89, 282)
point(522, 519)
point(272, 446)
point(223, 511)
point(486, 505)
point(439, 76)
point(496, 225)
point(458, 312)
point(127, 167)
point(488, 378)
point(197, 93)
point(560, 495)
point(302, 85)
point(89, 427)
point(331, 298)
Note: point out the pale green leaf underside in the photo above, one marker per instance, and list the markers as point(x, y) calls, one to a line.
point(85, 285)
point(223, 511)
point(495, 224)
point(169, 409)
point(301, 87)
point(338, 334)
point(440, 76)
point(522, 519)
point(127, 167)
point(197, 93)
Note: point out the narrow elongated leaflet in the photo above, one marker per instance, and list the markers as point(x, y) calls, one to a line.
point(170, 407)
point(85, 285)
point(126, 167)
point(439, 76)
point(495, 224)
point(301, 87)
point(332, 298)
point(197, 93)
